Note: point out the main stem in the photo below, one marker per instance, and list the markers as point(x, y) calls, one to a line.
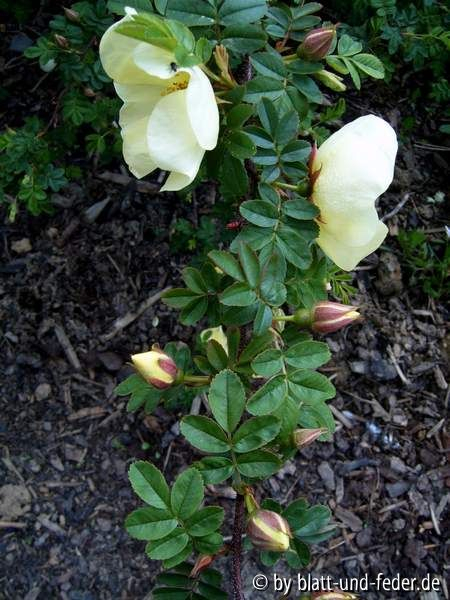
point(236, 545)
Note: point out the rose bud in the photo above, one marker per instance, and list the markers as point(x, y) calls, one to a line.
point(331, 80)
point(268, 530)
point(72, 15)
point(335, 595)
point(156, 367)
point(62, 41)
point(317, 43)
point(217, 334)
point(328, 317)
point(305, 437)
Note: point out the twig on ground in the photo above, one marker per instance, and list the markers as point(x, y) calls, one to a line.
point(143, 187)
point(130, 317)
point(400, 373)
point(66, 345)
point(397, 209)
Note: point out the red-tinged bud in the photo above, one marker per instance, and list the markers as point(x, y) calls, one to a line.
point(268, 530)
point(157, 368)
point(328, 317)
point(62, 41)
point(335, 595)
point(201, 564)
point(305, 437)
point(72, 15)
point(89, 92)
point(317, 43)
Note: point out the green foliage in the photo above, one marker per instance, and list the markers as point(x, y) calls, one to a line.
point(34, 158)
point(427, 261)
point(28, 173)
point(409, 35)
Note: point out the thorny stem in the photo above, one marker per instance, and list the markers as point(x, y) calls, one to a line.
point(236, 545)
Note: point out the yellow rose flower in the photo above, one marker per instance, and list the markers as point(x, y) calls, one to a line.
point(353, 167)
point(169, 117)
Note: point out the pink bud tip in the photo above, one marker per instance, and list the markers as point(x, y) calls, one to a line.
point(268, 530)
point(332, 316)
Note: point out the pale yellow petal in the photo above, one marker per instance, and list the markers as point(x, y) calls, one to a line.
point(345, 256)
point(172, 143)
point(202, 109)
point(154, 61)
point(135, 147)
point(116, 55)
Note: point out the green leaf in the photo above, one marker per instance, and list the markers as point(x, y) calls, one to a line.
point(179, 297)
point(302, 552)
point(216, 355)
point(187, 494)
point(203, 433)
point(209, 544)
point(150, 523)
point(198, 14)
point(238, 115)
point(258, 464)
point(348, 46)
point(238, 294)
point(300, 209)
point(302, 67)
point(287, 128)
point(243, 39)
point(317, 414)
point(141, 392)
point(268, 397)
point(310, 521)
point(259, 212)
point(263, 319)
point(268, 115)
point(261, 138)
point(194, 311)
point(308, 87)
point(257, 344)
point(227, 263)
point(307, 355)
point(288, 413)
point(240, 145)
point(369, 64)
point(234, 339)
point(149, 484)
point(194, 280)
point(148, 28)
point(170, 593)
point(263, 87)
point(255, 432)
point(234, 179)
point(179, 558)
point(269, 64)
point(227, 399)
point(237, 12)
point(294, 247)
point(250, 264)
point(309, 386)
point(205, 521)
point(268, 363)
point(215, 469)
point(295, 513)
point(169, 546)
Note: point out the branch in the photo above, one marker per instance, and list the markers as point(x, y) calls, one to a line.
point(236, 545)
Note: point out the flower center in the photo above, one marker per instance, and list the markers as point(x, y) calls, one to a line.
point(180, 81)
